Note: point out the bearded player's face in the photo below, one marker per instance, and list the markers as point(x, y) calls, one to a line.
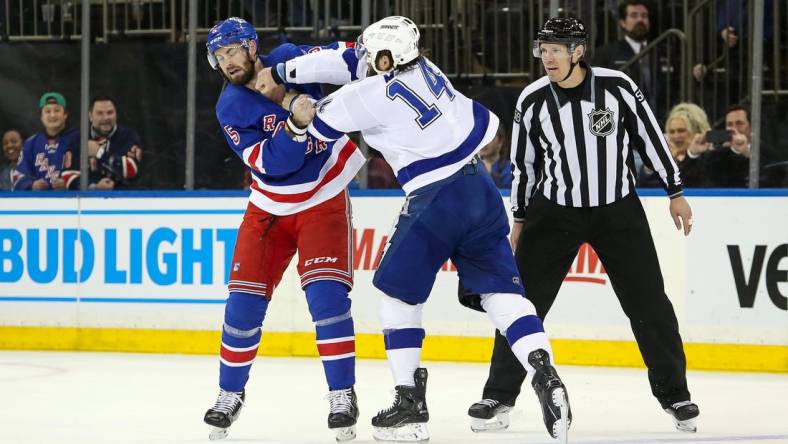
point(236, 64)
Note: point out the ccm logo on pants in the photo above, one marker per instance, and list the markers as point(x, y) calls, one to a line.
point(320, 260)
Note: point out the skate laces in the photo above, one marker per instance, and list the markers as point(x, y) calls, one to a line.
point(492, 403)
point(678, 405)
point(393, 406)
point(340, 401)
point(227, 401)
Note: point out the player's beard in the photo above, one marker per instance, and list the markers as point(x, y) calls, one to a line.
point(638, 33)
point(248, 74)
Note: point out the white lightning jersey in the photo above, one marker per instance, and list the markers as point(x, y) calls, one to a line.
point(424, 128)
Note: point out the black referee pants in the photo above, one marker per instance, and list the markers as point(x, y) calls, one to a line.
point(620, 235)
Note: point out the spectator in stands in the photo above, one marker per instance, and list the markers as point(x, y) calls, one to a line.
point(729, 165)
point(12, 146)
point(634, 21)
point(50, 159)
point(495, 156)
point(114, 151)
point(685, 129)
point(379, 173)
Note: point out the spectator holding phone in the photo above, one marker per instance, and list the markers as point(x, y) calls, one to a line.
point(728, 165)
point(114, 151)
point(685, 129)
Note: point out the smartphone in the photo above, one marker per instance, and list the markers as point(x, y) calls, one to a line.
point(717, 137)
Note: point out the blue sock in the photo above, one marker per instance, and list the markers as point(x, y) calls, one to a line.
point(243, 317)
point(329, 305)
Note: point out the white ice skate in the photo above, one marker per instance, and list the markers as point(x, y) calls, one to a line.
point(405, 433)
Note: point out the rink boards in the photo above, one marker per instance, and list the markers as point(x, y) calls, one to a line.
point(147, 271)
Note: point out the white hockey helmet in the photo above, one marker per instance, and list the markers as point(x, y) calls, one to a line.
point(397, 34)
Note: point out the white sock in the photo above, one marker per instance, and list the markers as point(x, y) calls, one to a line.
point(403, 362)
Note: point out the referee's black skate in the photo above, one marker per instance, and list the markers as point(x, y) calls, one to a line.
point(489, 415)
point(224, 412)
point(406, 420)
point(552, 395)
point(343, 413)
point(684, 414)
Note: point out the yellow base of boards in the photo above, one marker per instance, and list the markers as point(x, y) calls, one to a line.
point(728, 357)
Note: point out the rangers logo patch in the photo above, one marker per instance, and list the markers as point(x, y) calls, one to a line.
point(601, 122)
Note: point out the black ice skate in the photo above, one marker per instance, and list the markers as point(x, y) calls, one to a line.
point(489, 415)
point(684, 414)
point(224, 413)
point(552, 395)
point(343, 413)
point(406, 420)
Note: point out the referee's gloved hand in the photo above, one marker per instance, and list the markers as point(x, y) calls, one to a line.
point(681, 213)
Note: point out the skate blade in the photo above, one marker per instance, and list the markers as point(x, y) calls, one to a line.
point(561, 427)
point(406, 433)
point(688, 425)
point(217, 433)
point(496, 423)
point(345, 433)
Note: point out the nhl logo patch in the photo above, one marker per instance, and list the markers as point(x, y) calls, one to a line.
point(601, 122)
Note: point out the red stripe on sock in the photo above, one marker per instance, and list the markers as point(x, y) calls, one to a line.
point(337, 348)
point(238, 357)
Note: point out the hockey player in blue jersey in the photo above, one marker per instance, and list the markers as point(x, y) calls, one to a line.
point(430, 134)
point(298, 203)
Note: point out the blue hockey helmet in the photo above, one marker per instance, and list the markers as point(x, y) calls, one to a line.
point(234, 30)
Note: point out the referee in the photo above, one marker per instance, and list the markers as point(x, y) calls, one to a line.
point(574, 134)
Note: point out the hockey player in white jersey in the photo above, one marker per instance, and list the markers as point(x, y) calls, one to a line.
point(429, 134)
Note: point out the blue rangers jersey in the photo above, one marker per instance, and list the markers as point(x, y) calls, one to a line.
point(48, 158)
point(287, 176)
point(424, 128)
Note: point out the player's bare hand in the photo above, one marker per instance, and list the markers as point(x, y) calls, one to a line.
point(517, 228)
point(681, 213)
point(303, 111)
point(289, 97)
point(40, 184)
point(266, 86)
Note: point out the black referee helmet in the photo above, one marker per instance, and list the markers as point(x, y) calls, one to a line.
point(569, 31)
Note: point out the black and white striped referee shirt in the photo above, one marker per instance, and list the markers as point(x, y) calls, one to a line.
point(576, 149)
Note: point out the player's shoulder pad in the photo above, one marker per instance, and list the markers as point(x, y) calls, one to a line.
point(238, 108)
point(281, 54)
